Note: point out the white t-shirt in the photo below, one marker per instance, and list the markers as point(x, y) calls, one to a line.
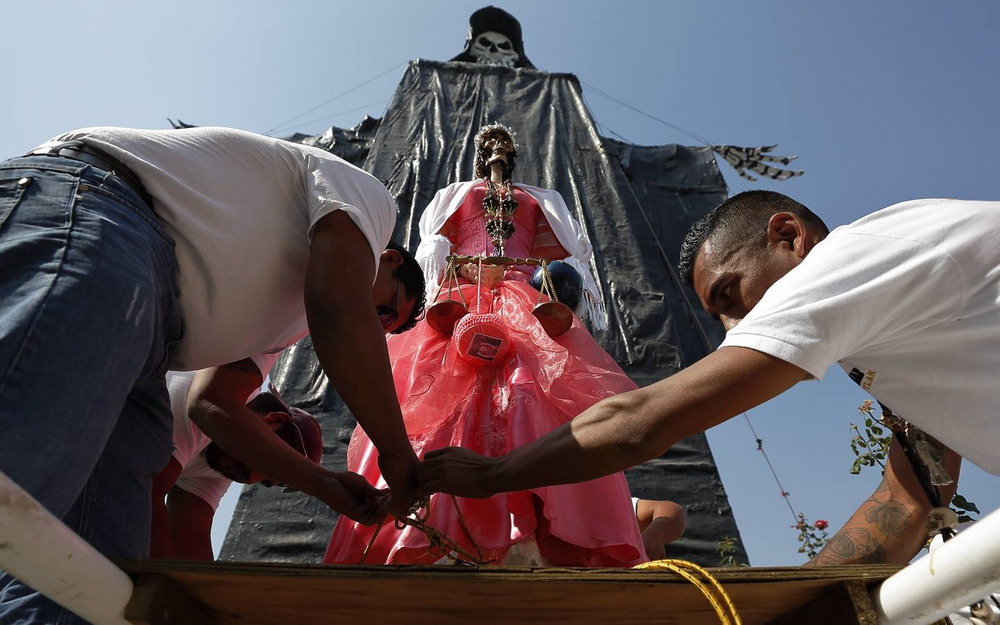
point(241, 208)
point(196, 477)
point(907, 300)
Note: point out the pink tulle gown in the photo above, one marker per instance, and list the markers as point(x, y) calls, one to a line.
point(540, 384)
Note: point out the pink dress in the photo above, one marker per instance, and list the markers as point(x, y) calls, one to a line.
point(540, 384)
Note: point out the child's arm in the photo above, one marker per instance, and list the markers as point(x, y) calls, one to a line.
point(661, 522)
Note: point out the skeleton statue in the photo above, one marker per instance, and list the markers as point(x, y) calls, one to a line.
point(503, 361)
point(494, 39)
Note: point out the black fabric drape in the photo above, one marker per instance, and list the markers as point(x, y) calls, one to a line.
point(635, 202)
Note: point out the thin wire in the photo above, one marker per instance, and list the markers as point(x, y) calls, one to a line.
point(304, 113)
point(610, 131)
point(697, 137)
point(760, 447)
point(666, 262)
point(691, 311)
point(711, 347)
point(357, 108)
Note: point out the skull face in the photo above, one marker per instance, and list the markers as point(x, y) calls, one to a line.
point(495, 144)
point(492, 48)
point(497, 148)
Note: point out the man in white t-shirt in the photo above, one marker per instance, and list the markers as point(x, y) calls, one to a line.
point(907, 300)
point(186, 493)
point(124, 253)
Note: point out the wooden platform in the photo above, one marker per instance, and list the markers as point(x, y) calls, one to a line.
point(188, 593)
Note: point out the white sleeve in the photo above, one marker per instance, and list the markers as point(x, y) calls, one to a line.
point(852, 291)
point(332, 186)
point(433, 249)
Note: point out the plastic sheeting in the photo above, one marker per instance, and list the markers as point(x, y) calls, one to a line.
point(635, 202)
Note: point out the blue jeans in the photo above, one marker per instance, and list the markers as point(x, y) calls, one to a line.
point(88, 314)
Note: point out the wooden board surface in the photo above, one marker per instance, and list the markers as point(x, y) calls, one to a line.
point(273, 594)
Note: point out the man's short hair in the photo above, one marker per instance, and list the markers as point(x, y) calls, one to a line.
point(412, 277)
point(740, 221)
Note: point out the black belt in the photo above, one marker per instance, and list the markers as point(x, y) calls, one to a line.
point(101, 160)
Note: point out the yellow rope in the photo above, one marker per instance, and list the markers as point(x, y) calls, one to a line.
point(440, 544)
point(712, 590)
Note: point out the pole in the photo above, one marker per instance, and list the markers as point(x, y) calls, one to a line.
point(40, 551)
point(960, 572)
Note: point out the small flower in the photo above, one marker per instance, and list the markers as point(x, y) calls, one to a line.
point(821, 524)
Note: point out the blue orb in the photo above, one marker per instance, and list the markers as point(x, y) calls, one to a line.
point(567, 282)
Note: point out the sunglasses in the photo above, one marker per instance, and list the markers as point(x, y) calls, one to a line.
point(388, 315)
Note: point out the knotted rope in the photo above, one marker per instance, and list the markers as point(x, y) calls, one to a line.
point(438, 543)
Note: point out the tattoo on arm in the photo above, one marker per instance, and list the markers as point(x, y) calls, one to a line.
point(855, 546)
point(863, 545)
point(891, 518)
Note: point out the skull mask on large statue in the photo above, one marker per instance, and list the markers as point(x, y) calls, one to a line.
point(494, 39)
point(493, 48)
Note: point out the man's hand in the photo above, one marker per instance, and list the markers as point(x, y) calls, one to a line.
point(456, 471)
point(351, 495)
point(400, 473)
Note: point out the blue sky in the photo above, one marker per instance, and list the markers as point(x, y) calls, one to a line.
point(882, 102)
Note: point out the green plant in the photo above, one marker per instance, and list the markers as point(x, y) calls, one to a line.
point(813, 536)
point(871, 447)
point(726, 548)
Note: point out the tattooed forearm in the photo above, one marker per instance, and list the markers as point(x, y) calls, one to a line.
point(890, 518)
point(891, 525)
point(852, 546)
point(880, 518)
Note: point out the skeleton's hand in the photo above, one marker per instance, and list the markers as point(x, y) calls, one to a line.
point(488, 277)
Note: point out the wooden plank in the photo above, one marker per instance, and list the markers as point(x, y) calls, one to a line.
point(158, 600)
point(269, 594)
point(844, 603)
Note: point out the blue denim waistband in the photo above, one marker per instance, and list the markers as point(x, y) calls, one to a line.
point(89, 174)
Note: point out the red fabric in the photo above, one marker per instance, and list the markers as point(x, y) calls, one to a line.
point(493, 408)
